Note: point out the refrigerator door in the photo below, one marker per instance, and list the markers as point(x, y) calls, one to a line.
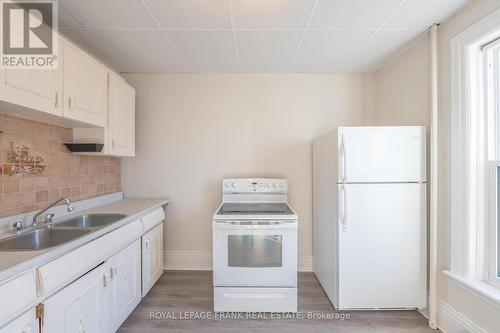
point(382, 246)
point(381, 154)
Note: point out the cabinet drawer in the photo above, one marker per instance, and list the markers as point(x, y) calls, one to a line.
point(26, 323)
point(61, 271)
point(18, 294)
point(151, 220)
point(227, 299)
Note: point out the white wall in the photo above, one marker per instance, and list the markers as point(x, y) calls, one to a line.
point(193, 130)
point(402, 97)
point(402, 92)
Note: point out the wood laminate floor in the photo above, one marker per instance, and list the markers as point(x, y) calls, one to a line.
point(180, 296)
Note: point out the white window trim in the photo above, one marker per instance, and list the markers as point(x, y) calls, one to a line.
point(492, 277)
point(467, 258)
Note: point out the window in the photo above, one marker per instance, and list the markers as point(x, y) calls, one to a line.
point(491, 93)
point(494, 254)
point(475, 154)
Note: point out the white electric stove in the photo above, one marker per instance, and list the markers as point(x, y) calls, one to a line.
point(255, 248)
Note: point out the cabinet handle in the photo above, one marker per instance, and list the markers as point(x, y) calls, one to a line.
point(82, 326)
point(113, 143)
point(113, 272)
point(146, 245)
point(105, 280)
point(56, 99)
point(70, 103)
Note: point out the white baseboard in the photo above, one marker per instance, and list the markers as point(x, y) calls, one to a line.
point(202, 261)
point(424, 312)
point(187, 260)
point(305, 263)
point(452, 321)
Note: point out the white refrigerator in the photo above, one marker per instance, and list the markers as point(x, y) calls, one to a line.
point(369, 216)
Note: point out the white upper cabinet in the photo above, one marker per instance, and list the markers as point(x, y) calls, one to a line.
point(82, 93)
point(85, 88)
point(39, 89)
point(121, 117)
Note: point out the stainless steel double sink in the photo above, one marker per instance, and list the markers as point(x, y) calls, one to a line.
point(58, 233)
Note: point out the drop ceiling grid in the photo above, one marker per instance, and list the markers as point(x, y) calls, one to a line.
point(299, 18)
point(165, 34)
point(350, 59)
point(299, 45)
point(235, 41)
point(119, 61)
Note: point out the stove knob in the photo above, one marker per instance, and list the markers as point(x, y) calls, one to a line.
point(269, 185)
point(233, 185)
point(274, 185)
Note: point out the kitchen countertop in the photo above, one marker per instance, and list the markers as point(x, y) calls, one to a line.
point(13, 263)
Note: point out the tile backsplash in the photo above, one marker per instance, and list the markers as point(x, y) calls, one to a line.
point(37, 168)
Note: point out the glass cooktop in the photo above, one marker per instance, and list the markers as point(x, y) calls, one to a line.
point(255, 209)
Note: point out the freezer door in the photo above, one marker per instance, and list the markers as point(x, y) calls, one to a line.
point(382, 246)
point(381, 154)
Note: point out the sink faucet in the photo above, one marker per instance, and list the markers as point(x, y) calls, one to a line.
point(48, 217)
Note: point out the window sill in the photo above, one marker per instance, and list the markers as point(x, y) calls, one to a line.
point(480, 289)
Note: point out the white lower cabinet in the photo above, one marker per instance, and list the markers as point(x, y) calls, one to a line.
point(98, 301)
point(82, 306)
point(152, 257)
point(26, 323)
point(125, 275)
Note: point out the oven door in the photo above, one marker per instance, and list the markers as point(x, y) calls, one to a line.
point(247, 254)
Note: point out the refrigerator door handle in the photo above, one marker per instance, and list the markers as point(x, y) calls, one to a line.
point(343, 215)
point(344, 158)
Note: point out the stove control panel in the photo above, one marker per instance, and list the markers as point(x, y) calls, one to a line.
point(254, 185)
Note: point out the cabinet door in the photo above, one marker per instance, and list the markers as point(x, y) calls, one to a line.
point(85, 88)
point(121, 124)
point(152, 258)
point(26, 323)
point(125, 273)
point(38, 89)
point(83, 306)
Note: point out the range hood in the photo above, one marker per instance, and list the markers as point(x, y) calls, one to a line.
point(84, 147)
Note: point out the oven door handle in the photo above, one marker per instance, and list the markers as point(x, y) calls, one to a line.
point(257, 295)
point(228, 226)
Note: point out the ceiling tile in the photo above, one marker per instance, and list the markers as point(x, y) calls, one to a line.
point(144, 50)
point(266, 51)
point(380, 46)
point(206, 51)
point(191, 14)
point(110, 14)
point(67, 21)
point(124, 35)
point(420, 14)
point(352, 14)
point(327, 51)
point(97, 47)
point(271, 14)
